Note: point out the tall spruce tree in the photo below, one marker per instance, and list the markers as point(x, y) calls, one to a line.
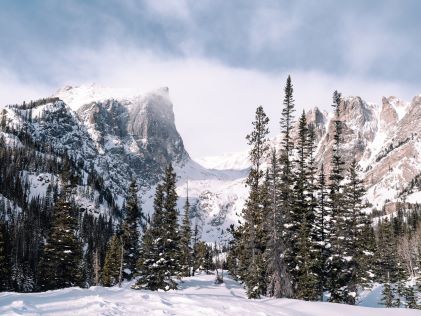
point(132, 224)
point(356, 246)
point(322, 231)
point(304, 218)
point(60, 265)
point(338, 264)
point(185, 240)
point(278, 277)
point(160, 258)
point(111, 270)
point(290, 235)
point(252, 237)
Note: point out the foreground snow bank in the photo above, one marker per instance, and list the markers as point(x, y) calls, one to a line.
point(198, 296)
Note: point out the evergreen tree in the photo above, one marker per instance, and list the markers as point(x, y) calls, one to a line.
point(4, 262)
point(289, 218)
point(131, 229)
point(204, 258)
point(185, 241)
point(303, 217)
point(253, 241)
point(321, 232)
point(60, 266)
point(111, 270)
point(387, 295)
point(355, 243)
point(279, 281)
point(338, 264)
point(160, 258)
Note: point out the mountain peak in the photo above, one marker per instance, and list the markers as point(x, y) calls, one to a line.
point(77, 96)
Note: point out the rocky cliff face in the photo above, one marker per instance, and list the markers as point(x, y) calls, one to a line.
point(384, 139)
point(138, 133)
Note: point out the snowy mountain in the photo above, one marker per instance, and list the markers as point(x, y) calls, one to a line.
point(120, 134)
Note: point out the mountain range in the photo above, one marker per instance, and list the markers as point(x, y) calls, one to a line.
point(121, 134)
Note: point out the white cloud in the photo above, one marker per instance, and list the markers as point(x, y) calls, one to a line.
point(170, 8)
point(269, 27)
point(13, 90)
point(214, 104)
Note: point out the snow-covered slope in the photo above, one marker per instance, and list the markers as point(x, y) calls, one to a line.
point(229, 161)
point(198, 296)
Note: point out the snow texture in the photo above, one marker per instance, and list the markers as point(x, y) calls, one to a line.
point(198, 296)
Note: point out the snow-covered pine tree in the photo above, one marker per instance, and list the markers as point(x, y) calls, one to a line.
point(185, 241)
point(204, 257)
point(111, 270)
point(322, 231)
point(278, 277)
point(195, 241)
point(132, 224)
point(60, 264)
point(387, 295)
point(252, 237)
point(306, 287)
point(358, 255)
point(387, 263)
point(291, 226)
point(160, 254)
point(338, 264)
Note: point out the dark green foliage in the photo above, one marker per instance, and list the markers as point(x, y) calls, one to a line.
point(112, 264)
point(253, 240)
point(203, 259)
point(4, 261)
point(132, 224)
point(185, 241)
point(321, 232)
point(160, 257)
point(387, 295)
point(289, 216)
point(278, 277)
point(60, 265)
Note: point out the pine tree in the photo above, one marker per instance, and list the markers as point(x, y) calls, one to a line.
point(111, 270)
point(279, 281)
point(4, 262)
point(204, 257)
point(252, 231)
point(185, 241)
point(289, 217)
point(60, 266)
point(160, 258)
point(321, 232)
point(355, 243)
point(410, 298)
point(131, 229)
point(338, 264)
point(303, 218)
point(387, 295)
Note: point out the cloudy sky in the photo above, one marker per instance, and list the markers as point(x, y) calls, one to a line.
point(220, 59)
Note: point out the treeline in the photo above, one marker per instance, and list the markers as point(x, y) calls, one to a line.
point(306, 234)
point(49, 241)
point(27, 220)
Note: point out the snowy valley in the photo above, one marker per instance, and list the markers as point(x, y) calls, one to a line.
point(110, 141)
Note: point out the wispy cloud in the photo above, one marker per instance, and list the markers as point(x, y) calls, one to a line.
point(219, 58)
